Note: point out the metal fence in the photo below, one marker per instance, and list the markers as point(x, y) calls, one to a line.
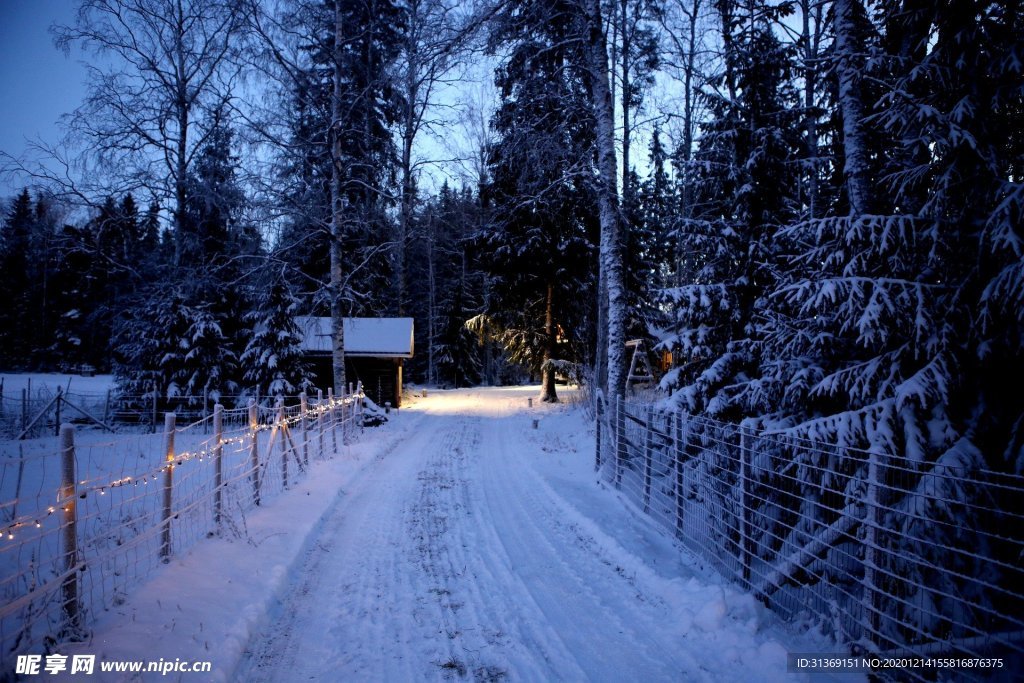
point(889, 557)
point(83, 521)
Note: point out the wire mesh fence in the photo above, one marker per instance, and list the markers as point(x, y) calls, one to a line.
point(890, 557)
point(85, 520)
point(32, 412)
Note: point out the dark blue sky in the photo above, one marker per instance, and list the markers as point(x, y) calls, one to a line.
point(38, 83)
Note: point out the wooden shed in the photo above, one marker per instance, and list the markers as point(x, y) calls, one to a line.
point(375, 351)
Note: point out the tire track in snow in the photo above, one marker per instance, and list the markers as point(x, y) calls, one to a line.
point(342, 588)
point(452, 560)
point(481, 607)
point(584, 598)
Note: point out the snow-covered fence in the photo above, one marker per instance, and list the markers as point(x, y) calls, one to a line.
point(889, 556)
point(35, 411)
point(83, 521)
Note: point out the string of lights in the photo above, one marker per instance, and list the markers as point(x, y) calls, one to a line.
point(115, 509)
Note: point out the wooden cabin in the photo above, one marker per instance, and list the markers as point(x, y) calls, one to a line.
point(375, 351)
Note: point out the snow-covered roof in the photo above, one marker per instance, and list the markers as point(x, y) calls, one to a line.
point(386, 337)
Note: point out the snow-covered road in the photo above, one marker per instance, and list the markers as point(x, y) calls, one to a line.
point(467, 551)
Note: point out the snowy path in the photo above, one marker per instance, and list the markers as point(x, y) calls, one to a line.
point(451, 557)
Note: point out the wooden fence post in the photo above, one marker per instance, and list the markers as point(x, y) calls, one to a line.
point(680, 475)
point(56, 421)
point(333, 419)
point(304, 412)
point(254, 451)
point(344, 422)
point(165, 533)
point(281, 426)
point(24, 409)
point(599, 416)
point(69, 497)
point(106, 409)
point(320, 420)
point(218, 463)
point(359, 404)
point(648, 456)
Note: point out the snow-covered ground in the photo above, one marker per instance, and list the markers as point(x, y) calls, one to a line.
point(455, 542)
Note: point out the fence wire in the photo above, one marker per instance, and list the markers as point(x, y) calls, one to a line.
point(70, 552)
point(888, 556)
point(35, 412)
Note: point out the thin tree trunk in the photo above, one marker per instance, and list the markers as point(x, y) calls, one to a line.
point(337, 211)
point(596, 52)
point(626, 129)
point(179, 185)
point(431, 303)
point(408, 182)
point(181, 160)
point(848, 69)
point(688, 126)
point(811, 43)
point(547, 389)
point(601, 353)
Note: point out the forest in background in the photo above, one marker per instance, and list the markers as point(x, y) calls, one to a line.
point(817, 205)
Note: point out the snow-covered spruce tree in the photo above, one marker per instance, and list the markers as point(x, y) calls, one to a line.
point(174, 348)
point(303, 164)
point(272, 362)
point(184, 333)
point(952, 105)
point(537, 247)
point(897, 321)
point(743, 194)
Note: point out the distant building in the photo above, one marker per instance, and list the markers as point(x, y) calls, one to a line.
point(375, 350)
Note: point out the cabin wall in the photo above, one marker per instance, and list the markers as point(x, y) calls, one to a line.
point(381, 377)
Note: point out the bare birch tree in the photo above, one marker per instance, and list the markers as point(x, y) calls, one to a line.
point(163, 68)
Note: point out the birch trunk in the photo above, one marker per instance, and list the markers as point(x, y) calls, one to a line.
point(596, 55)
point(337, 209)
point(848, 69)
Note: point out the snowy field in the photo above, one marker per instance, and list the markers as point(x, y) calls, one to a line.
point(456, 542)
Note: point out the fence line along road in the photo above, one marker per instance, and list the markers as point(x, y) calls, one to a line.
point(31, 413)
point(83, 525)
point(890, 557)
